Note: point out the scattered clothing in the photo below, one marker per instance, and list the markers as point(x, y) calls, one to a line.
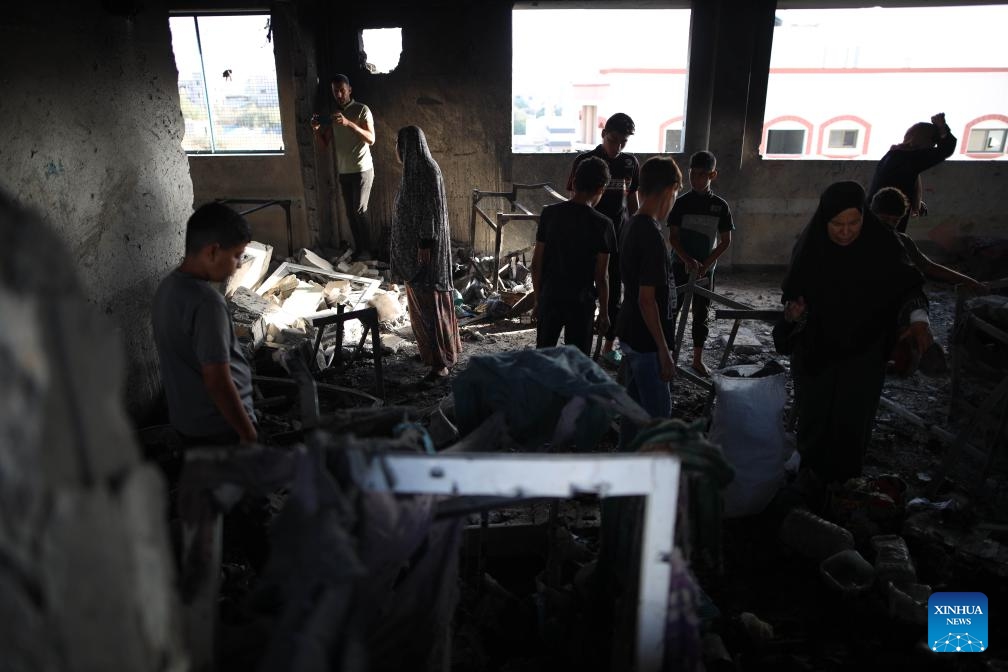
point(532, 388)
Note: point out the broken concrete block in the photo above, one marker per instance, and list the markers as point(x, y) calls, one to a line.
point(252, 269)
point(371, 273)
point(285, 286)
point(357, 268)
point(405, 331)
point(337, 292)
point(343, 267)
point(249, 329)
point(308, 258)
point(352, 332)
point(388, 306)
point(812, 536)
point(247, 300)
point(304, 300)
point(393, 342)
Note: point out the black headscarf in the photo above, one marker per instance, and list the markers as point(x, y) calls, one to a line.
point(853, 292)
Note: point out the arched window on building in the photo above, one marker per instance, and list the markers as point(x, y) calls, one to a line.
point(786, 137)
point(986, 137)
point(843, 137)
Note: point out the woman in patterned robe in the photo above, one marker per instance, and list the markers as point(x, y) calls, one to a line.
point(421, 253)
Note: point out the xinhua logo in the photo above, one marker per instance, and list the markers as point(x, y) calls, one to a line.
point(957, 622)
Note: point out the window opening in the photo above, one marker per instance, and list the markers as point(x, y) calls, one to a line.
point(785, 141)
point(827, 63)
point(227, 83)
point(673, 140)
point(382, 48)
point(987, 140)
point(843, 139)
point(567, 78)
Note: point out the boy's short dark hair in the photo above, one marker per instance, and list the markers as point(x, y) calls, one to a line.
point(703, 160)
point(890, 201)
point(215, 223)
point(658, 173)
point(591, 175)
point(620, 123)
point(340, 79)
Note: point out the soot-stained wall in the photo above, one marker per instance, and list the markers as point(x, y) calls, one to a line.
point(453, 80)
point(91, 140)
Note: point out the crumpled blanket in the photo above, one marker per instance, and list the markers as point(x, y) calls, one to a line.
point(555, 395)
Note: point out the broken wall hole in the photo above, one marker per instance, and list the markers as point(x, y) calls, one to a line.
point(381, 49)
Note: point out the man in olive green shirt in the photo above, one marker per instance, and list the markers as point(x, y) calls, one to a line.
point(352, 134)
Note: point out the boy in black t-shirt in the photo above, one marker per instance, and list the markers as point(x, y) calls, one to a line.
point(645, 324)
point(924, 145)
point(573, 243)
point(618, 203)
point(698, 219)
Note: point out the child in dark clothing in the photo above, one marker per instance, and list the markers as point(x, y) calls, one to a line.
point(645, 322)
point(924, 145)
point(206, 377)
point(698, 219)
point(569, 264)
point(618, 203)
point(890, 206)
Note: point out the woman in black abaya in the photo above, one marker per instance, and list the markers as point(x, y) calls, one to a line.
point(854, 292)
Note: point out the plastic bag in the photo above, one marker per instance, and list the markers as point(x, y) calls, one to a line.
point(748, 425)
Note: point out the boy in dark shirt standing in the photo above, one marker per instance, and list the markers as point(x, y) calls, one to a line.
point(645, 324)
point(924, 145)
point(569, 264)
point(207, 380)
point(698, 219)
point(890, 206)
point(618, 203)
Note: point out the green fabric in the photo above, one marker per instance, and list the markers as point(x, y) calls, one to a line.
point(706, 471)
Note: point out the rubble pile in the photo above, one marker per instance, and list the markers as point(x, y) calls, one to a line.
point(476, 298)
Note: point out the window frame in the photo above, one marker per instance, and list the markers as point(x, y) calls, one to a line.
point(195, 15)
point(981, 123)
point(770, 126)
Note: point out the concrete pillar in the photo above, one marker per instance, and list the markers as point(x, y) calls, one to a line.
point(704, 18)
point(762, 15)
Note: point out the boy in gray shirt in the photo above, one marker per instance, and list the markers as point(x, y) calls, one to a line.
point(207, 379)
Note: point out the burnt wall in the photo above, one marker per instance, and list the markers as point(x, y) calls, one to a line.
point(91, 132)
point(453, 81)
